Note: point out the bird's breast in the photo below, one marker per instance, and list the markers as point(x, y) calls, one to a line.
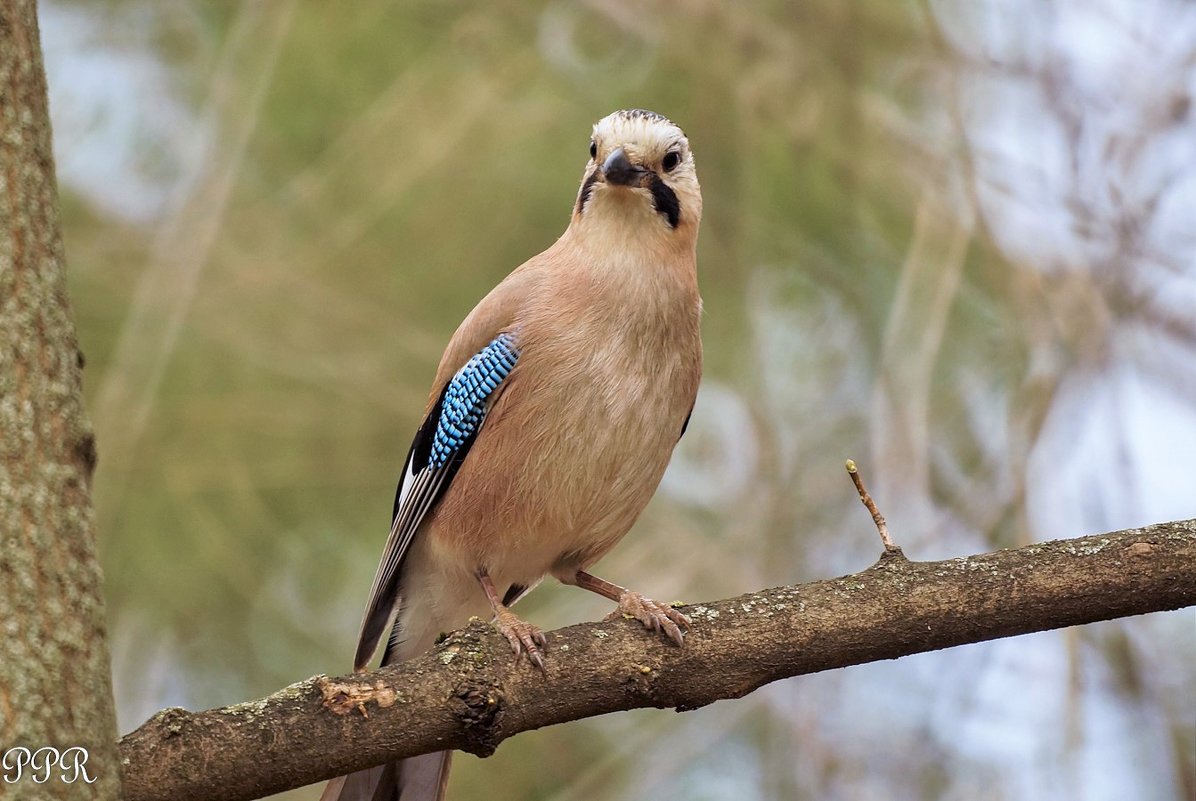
point(576, 444)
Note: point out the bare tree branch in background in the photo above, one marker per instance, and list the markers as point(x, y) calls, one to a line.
point(469, 693)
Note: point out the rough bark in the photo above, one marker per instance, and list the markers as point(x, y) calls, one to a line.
point(55, 686)
point(470, 694)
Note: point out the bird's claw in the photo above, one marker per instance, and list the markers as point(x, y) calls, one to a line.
point(523, 636)
point(653, 614)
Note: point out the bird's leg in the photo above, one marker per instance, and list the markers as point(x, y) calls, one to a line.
point(653, 614)
point(523, 636)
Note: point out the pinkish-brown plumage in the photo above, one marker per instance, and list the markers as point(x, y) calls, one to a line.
point(577, 436)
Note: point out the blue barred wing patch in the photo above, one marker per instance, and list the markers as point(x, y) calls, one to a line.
point(465, 399)
point(439, 448)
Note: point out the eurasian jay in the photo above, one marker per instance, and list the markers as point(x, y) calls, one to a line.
point(552, 418)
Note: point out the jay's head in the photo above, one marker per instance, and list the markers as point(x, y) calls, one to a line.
point(640, 173)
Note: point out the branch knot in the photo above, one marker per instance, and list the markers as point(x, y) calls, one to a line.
point(481, 706)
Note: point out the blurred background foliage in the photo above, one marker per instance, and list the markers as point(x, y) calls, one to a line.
point(953, 240)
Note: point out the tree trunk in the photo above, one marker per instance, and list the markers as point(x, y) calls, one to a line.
point(55, 683)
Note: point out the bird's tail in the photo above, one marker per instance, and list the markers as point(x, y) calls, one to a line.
point(421, 778)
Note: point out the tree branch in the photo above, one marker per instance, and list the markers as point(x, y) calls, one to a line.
point(469, 693)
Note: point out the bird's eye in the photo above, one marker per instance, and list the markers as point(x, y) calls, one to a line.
point(593, 150)
point(671, 160)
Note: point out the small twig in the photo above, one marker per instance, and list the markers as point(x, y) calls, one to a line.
point(877, 517)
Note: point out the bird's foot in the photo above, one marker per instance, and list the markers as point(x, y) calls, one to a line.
point(653, 614)
point(523, 636)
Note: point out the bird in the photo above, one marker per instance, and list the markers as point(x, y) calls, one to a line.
point(552, 417)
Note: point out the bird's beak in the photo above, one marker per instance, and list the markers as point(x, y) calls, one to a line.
point(618, 169)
